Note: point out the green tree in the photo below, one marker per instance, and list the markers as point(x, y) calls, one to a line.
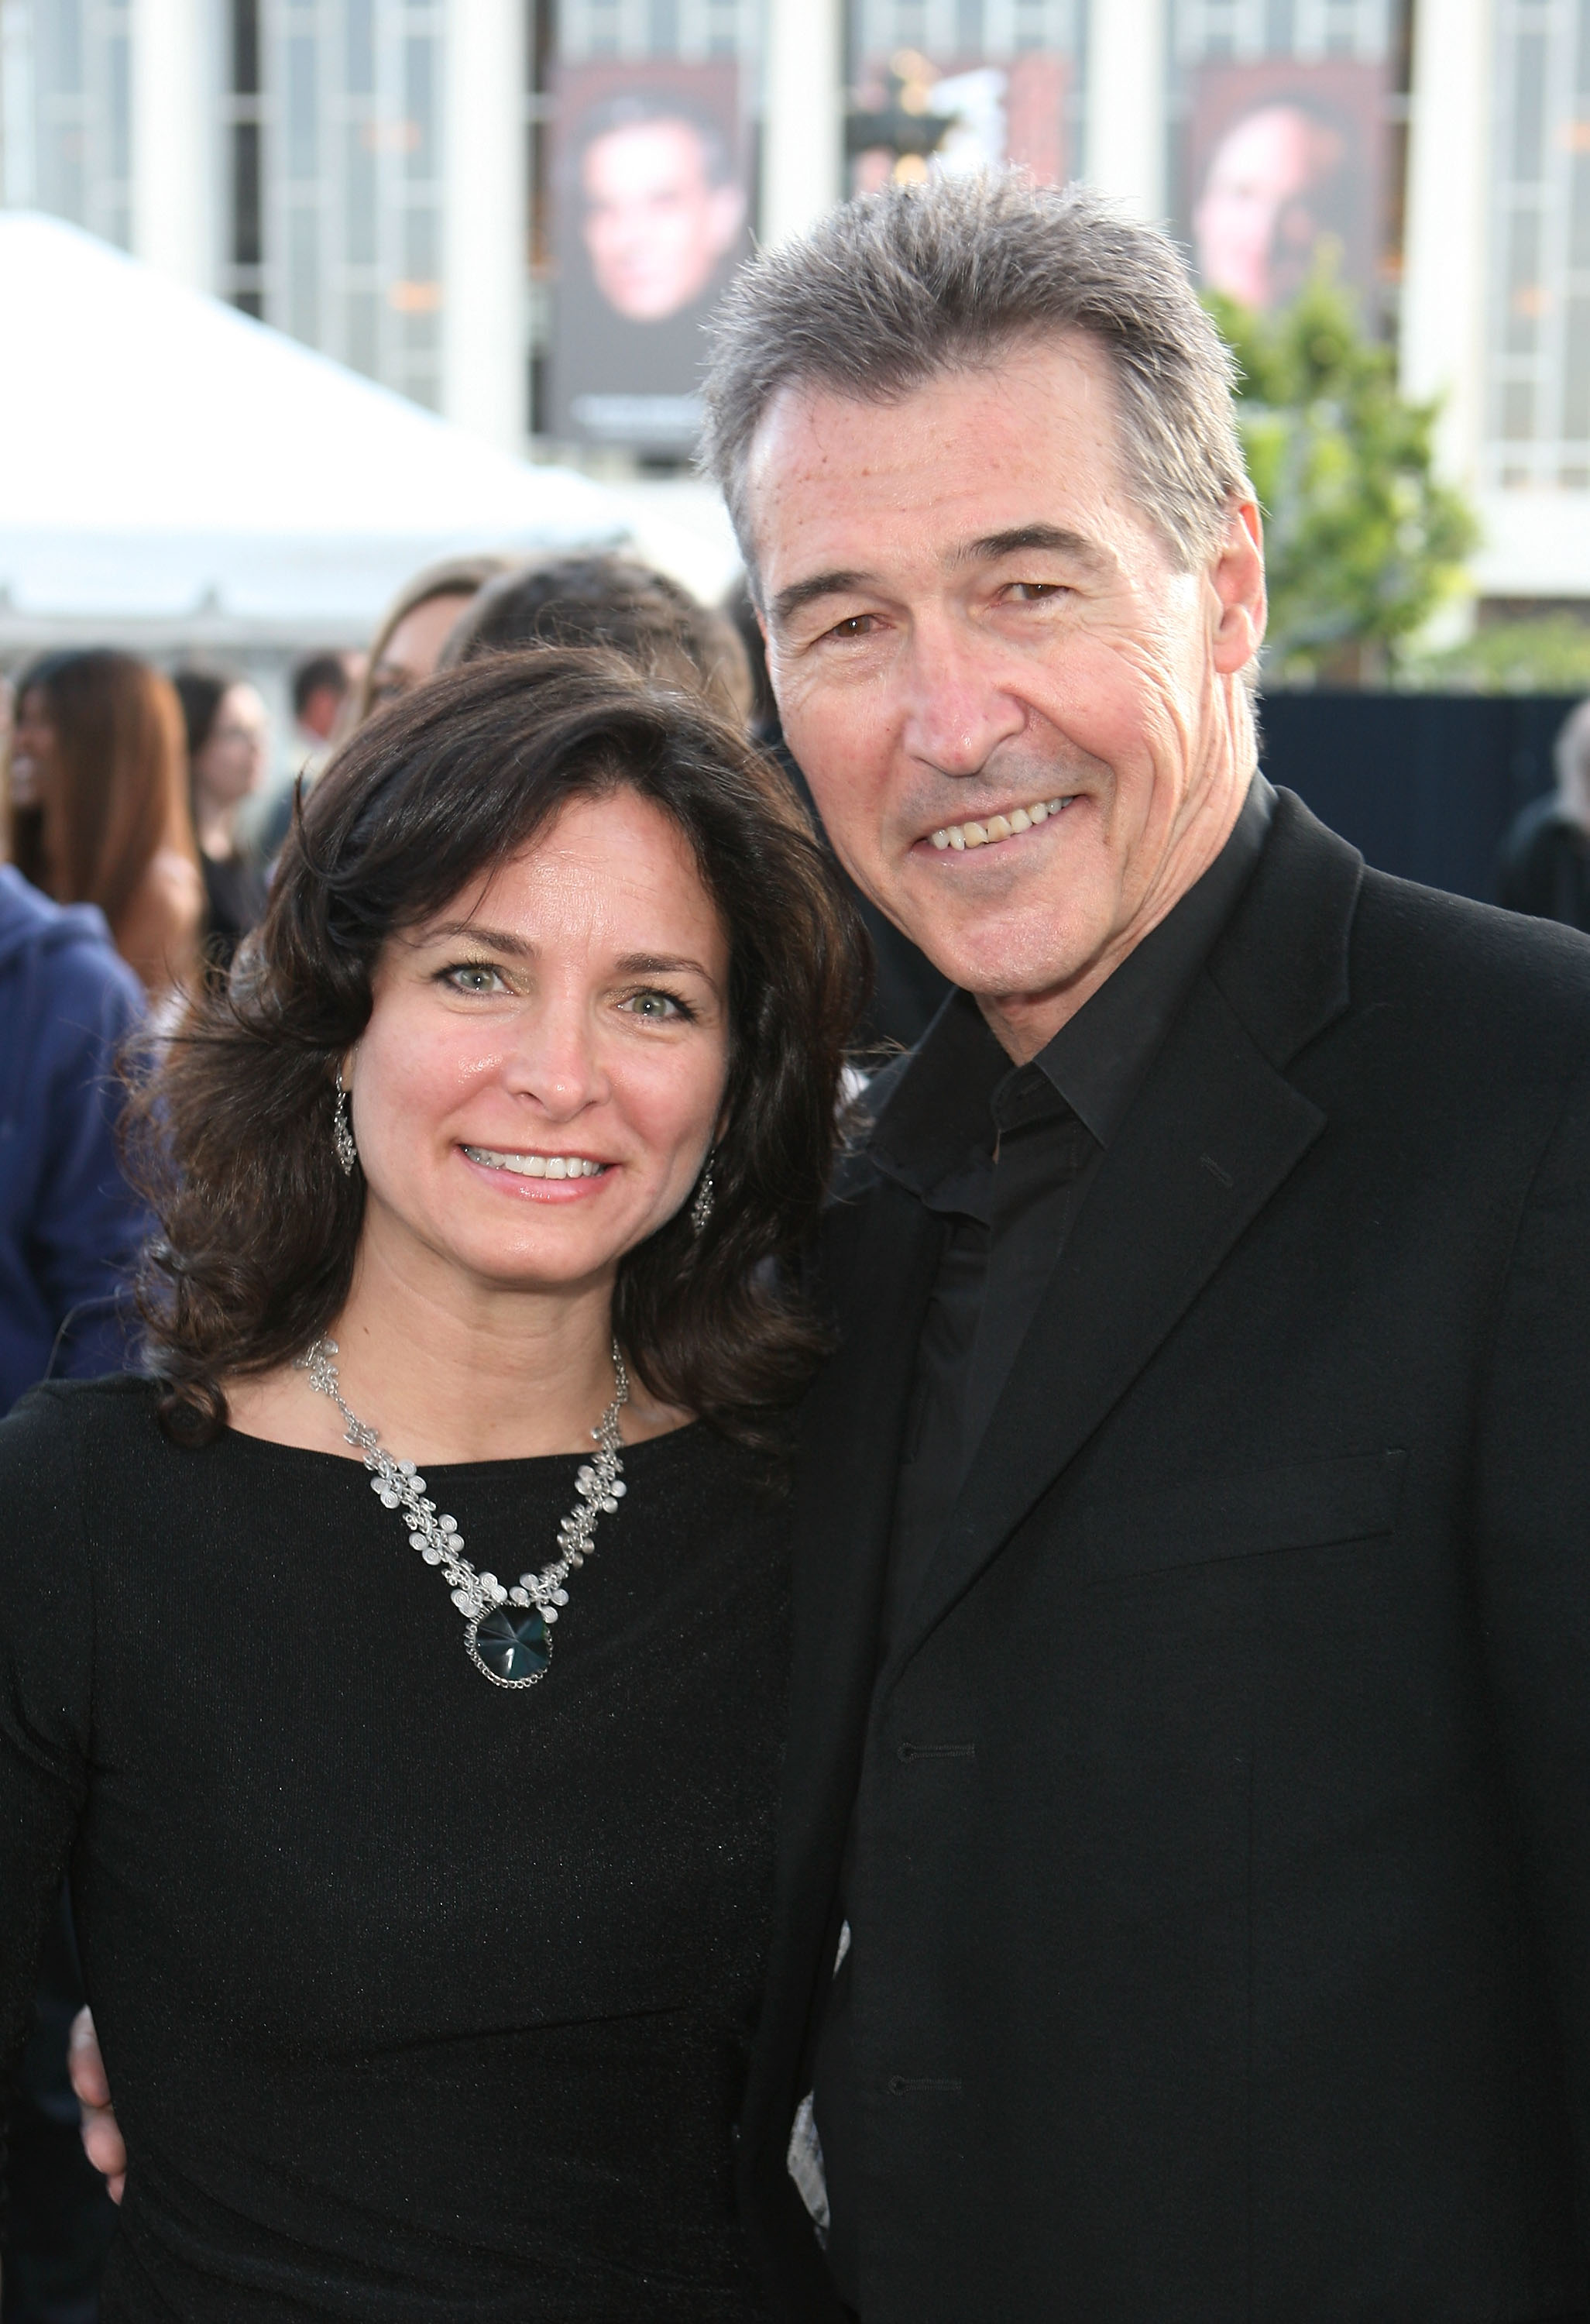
point(1363, 542)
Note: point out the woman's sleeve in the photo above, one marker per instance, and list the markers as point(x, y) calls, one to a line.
point(46, 1667)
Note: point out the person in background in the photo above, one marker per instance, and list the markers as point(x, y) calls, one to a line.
point(228, 753)
point(617, 601)
point(907, 990)
point(98, 806)
point(1544, 869)
point(320, 689)
point(70, 1235)
point(405, 648)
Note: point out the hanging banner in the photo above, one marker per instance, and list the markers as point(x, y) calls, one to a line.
point(1281, 160)
point(652, 202)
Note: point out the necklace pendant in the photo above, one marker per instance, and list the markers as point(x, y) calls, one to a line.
point(511, 1644)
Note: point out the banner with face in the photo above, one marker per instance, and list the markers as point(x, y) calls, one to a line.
point(652, 204)
point(1281, 159)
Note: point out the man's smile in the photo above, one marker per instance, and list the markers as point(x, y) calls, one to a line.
point(993, 830)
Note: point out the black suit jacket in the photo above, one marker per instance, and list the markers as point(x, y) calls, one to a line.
point(1221, 1889)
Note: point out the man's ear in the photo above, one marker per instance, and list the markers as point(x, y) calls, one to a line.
point(1236, 578)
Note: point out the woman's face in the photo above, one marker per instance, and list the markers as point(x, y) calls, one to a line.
point(544, 1064)
point(410, 654)
point(231, 763)
point(32, 749)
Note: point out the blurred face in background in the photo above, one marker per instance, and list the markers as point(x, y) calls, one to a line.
point(1259, 215)
point(656, 226)
point(410, 654)
point(32, 749)
point(231, 764)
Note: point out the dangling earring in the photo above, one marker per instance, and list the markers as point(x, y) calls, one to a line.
point(700, 1209)
point(342, 1130)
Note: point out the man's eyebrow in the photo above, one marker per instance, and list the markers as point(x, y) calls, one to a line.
point(1058, 539)
point(805, 593)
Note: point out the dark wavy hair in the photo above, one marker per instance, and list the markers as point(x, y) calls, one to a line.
point(230, 1128)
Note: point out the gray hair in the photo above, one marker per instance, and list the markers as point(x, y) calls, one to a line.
point(902, 287)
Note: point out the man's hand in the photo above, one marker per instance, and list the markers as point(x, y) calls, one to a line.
point(101, 2140)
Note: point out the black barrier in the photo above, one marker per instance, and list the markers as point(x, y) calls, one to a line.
point(1425, 784)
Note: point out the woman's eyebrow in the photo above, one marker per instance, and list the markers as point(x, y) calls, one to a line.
point(651, 964)
point(471, 932)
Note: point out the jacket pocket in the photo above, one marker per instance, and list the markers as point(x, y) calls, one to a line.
point(1306, 1505)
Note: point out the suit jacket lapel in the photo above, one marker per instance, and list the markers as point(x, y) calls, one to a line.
point(1215, 1131)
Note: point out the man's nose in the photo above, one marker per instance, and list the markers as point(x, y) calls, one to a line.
point(957, 711)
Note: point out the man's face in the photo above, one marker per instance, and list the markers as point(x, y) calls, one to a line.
point(969, 619)
point(1256, 226)
point(655, 226)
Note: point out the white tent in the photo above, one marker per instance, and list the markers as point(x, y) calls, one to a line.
point(171, 470)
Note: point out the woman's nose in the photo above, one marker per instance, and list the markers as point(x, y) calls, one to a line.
point(553, 1060)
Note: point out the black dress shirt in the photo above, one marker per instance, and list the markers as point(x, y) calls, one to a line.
point(1005, 1155)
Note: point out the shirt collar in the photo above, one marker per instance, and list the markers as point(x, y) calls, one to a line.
point(938, 1119)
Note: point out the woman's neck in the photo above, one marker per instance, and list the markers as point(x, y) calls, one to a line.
point(450, 1373)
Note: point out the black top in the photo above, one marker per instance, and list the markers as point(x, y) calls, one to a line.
point(421, 2000)
point(235, 895)
point(1005, 1154)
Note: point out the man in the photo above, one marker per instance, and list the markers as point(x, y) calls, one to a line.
point(321, 685)
point(661, 210)
point(1190, 1731)
point(1189, 1768)
point(1277, 183)
point(654, 217)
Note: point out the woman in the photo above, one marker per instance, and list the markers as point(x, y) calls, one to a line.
point(422, 1910)
point(99, 806)
point(407, 647)
point(647, 616)
point(228, 750)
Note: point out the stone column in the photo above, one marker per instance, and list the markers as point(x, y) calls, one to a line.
point(1126, 126)
point(485, 268)
point(174, 135)
point(802, 129)
point(1444, 262)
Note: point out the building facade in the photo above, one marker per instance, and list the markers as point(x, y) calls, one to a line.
point(399, 182)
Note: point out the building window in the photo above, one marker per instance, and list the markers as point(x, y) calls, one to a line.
point(334, 123)
point(1538, 339)
point(65, 111)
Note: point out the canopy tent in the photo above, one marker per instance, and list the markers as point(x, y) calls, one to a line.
point(169, 469)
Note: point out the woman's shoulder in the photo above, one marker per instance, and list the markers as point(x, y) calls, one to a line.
point(52, 1444)
point(54, 1419)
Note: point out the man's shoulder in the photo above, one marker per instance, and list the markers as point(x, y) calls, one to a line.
point(1486, 974)
point(1318, 940)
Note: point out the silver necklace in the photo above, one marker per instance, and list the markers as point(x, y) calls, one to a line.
point(508, 1637)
